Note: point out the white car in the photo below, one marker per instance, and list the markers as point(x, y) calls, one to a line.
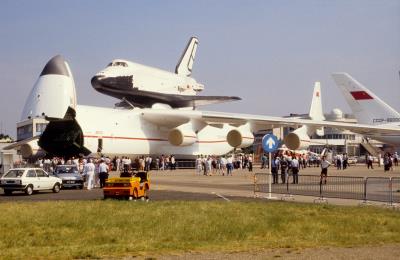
point(29, 180)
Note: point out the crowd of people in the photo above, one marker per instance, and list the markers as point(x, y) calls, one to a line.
point(224, 165)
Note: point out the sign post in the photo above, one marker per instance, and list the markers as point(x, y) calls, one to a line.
point(270, 143)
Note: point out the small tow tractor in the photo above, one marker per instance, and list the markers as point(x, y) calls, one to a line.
point(130, 185)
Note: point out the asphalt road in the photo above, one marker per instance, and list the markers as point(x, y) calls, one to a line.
point(187, 185)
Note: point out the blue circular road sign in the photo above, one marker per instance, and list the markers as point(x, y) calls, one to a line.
point(270, 143)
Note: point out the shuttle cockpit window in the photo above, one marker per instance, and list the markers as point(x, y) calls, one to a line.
point(118, 64)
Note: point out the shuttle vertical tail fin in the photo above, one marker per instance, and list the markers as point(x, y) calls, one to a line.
point(185, 64)
point(365, 105)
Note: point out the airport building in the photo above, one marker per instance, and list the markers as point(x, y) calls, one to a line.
point(338, 141)
point(7, 157)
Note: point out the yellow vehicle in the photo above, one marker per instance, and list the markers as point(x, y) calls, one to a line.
point(133, 186)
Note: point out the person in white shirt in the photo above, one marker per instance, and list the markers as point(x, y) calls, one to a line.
point(369, 161)
point(324, 169)
point(250, 163)
point(88, 171)
point(199, 165)
point(223, 165)
point(103, 173)
point(229, 165)
point(295, 170)
point(173, 163)
point(117, 163)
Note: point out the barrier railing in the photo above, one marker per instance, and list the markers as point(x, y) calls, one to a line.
point(396, 190)
point(185, 164)
point(342, 187)
point(378, 189)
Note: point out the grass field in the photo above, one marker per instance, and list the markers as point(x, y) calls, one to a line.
point(95, 229)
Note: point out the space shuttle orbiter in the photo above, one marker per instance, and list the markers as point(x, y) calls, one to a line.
point(148, 87)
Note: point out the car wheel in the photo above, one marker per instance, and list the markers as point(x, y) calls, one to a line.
point(7, 192)
point(81, 187)
point(29, 190)
point(135, 194)
point(56, 188)
point(146, 193)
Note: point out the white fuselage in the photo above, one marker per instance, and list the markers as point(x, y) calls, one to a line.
point(124, 132)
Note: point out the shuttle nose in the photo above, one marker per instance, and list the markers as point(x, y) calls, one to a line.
point(103, 82)
point(97, 81)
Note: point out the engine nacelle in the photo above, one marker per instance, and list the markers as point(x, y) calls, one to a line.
point(31, 150)
point(297, 140)
point(240, 138)
point(182, 135)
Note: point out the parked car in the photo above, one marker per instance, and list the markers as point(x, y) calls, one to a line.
point(29, 180)
point(69, 174)
point(130, 186)
point(352, 160)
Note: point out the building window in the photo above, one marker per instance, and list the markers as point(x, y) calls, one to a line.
point(40, 127)
point(24, 132)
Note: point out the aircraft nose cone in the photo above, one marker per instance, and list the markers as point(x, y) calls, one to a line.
point(55, 66)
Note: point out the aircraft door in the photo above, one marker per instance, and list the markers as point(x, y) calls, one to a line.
point(99, 145)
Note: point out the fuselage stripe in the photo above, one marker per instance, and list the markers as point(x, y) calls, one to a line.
point(144, 139)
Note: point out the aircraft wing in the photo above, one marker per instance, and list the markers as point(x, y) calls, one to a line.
point(175, 117)
point(259, 122)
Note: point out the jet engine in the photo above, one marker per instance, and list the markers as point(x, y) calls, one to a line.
point(27, 148)
point(30, 149)
point(298, 139)
point(182, 135)
point(240, 138)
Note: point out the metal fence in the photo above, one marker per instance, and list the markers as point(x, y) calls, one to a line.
point(342, 187)
point(187, 164)
point(396, 190)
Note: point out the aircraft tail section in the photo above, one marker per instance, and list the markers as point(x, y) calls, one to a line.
point(316, 112)
point(185, 64)
point(365, 105)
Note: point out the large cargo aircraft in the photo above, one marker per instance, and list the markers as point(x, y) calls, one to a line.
point(142, 86)
point(368, 108)
point(83, 130)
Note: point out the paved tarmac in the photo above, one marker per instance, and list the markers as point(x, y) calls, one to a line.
point(187, 185)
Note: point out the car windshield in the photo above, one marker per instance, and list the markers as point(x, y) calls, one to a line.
point(14, 174)
point(66, 169)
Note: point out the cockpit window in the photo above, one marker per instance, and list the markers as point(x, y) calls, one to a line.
point(118, 63)
point(123, 64)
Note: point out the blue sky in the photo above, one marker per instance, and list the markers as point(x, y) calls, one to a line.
point(267, 52)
